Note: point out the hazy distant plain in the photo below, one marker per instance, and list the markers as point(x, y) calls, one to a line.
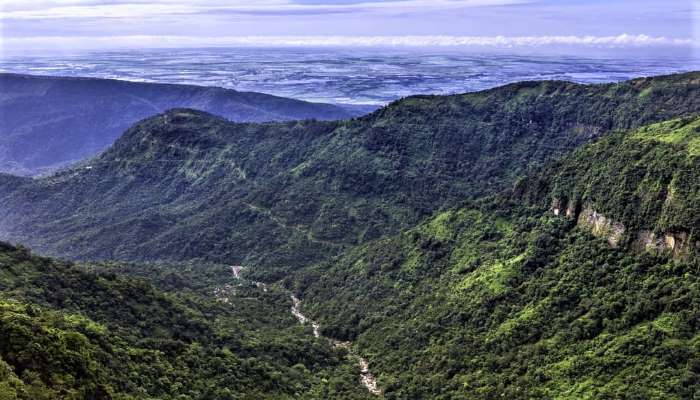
point(352, 76)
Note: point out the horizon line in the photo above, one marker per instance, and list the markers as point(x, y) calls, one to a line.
point(623, 40)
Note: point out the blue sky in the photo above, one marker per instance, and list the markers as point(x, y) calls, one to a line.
point(56, 24)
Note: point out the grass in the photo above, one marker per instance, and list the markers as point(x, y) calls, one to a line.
point(677, 131)
point(493, 276)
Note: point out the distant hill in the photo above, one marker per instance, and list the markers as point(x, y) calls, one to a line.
point(48, 122)
point(189, 185)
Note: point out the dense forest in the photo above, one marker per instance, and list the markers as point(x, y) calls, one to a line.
point(648, 181)
point(96, 332)
point(533, 241)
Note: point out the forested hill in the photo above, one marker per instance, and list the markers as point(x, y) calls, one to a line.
point(70, 332)
point(48, 122)
point(583, 283)
point(186, 184)
point(638, 189)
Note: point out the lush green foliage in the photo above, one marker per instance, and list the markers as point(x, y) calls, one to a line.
point(480, 304)
point(647, 180)
point(495, 298)
point(186, 185)
point(75, 333)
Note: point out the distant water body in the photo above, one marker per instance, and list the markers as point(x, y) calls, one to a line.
point(352, 76)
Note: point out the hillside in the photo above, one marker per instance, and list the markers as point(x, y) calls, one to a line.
point(640, 189)
point(542, 293)
point(188, 185)
point(49, 122)
point(92, 332)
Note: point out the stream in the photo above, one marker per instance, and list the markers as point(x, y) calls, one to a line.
point(366, 377)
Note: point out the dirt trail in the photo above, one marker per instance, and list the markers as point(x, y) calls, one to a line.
point(284, 225)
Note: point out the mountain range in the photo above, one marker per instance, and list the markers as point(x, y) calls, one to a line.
point(50, 122)
point(189, 185)
point(535, 240)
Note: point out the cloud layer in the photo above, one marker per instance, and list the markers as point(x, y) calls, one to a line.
point(610, 42)
point(406, 23)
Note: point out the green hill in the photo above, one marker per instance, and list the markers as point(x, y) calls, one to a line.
point(188, 185)
point(506, 298)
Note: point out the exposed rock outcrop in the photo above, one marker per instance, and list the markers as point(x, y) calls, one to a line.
point(601, 226)
point(678, 244)
point(558, 207)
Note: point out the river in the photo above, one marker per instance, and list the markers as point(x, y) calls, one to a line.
point(366, 377)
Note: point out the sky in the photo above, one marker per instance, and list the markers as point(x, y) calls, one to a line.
point(482, 24)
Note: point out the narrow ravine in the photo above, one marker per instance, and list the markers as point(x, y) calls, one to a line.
point(366, 377)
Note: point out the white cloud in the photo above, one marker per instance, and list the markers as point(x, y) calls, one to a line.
point(619, 41)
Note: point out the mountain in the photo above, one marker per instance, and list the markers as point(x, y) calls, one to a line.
point(49, 122)
point(94, 332)
point(188, 185)
point(582, 282)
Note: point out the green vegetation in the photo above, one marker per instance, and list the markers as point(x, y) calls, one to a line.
point(424, 233)
point(186, 185)
point(647, 180)
point(73, 332)
point(541, 311)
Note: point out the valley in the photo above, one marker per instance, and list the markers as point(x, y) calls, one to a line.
point(349, 200)
point(473, 289)
point(366, 377)
point(535, 240)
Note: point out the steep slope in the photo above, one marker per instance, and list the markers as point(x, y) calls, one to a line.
point(48, 122)
point(505, 298)
point(187, 185)
point(68, 332)
point(640, 189)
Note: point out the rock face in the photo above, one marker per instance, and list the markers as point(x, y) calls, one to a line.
point(601, 226)
point(678, 244)
point(558, 207)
